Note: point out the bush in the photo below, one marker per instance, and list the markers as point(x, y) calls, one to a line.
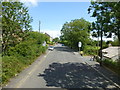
point(19, 57)
point(66, 43)
point(10, 67)
point(91, 50)
point(23, 49)
point(104, 44)
point(22, 55)
point(116, 42)
point(115, 66)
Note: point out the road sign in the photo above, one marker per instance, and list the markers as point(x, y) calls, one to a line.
point(44, 44)
point(79, 44)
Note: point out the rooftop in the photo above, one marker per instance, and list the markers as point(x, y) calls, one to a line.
point(111, 51)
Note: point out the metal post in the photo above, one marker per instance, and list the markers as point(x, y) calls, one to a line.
point(79, 49)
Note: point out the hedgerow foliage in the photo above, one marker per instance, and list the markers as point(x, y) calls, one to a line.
point(22, 55)
point(113, 65)
point(20, 46)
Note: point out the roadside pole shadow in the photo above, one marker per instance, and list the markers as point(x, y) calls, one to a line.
point(73, 75)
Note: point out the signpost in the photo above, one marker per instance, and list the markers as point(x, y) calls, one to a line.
point(79, 45)
point(44, 44)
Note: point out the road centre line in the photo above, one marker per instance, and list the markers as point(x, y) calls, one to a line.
point(118, 86)
point(30, 73)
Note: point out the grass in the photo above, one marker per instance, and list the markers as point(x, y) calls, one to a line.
point(112, 65)
point(16, 62)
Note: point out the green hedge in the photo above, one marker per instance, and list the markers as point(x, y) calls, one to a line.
point(90, 50)
point(18, 58)
point(22, 55)
point(10, 69)
point(114, 66)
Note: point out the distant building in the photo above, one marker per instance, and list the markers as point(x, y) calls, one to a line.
point(111, 53)
point(49, 36)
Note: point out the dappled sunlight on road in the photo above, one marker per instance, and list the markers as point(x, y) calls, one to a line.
point(73, 75)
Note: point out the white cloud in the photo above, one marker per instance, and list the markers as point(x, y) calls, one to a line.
point(104, 39)
point(52, 33)
point(34, 1)
point(30, 3)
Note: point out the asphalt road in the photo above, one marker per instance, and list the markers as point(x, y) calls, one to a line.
point(64, 68)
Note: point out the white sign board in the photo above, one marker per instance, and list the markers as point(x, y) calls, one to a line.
point(44, 44)
point(79, 44)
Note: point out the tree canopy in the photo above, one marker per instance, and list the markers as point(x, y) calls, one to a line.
point(15, 23)
point(76, 31)
point(107, 17)
point(56, 39)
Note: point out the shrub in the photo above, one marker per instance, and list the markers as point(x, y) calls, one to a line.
point(39, 37)
point(22, 55)
point(91, 50)
point(115, 42)
point(10, 67)
point(23, 49)
point(19, 57)
point(115, 66)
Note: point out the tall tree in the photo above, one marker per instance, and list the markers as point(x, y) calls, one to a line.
point(15, 23)
point(107, 17)
point(75, 31)
point(56, 39)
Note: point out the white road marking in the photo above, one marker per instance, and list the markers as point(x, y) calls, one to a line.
point(118, 86)
point(30, 73)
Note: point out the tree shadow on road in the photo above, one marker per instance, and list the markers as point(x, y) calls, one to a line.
point(65, 49)
point(73, 75)
point(108, 73)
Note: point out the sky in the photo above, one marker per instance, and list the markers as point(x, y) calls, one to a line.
point(53, 15)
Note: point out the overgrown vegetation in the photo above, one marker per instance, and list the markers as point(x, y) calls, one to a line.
point(56, 40)
point(22, 55)
point(107, 18)
point(20, 45)
point(91, 50)
point(115, 42)
point(15, 24)
point(107, 22)
point(75, 31)
point(113, 65)
point(78, 31)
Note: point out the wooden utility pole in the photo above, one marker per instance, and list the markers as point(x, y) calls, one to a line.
point(39, 26)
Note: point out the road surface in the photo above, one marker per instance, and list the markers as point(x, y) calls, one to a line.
point(64, 68)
